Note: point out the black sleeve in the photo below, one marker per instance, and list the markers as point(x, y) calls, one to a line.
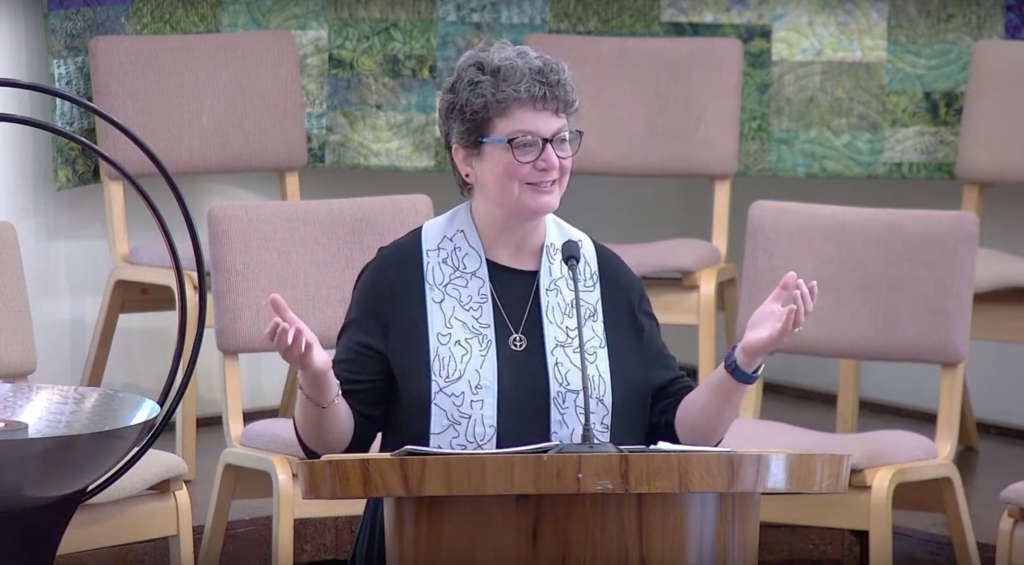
point(361, 363)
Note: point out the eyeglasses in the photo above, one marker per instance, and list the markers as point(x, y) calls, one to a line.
point(527, 148)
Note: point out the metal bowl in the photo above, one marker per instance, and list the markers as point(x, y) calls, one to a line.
point(58, 440)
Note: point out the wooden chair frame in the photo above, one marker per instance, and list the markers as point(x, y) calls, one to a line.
point(988, 312)
point(997, 316)
point(246, 473)
point(166, 513)
point(925, 486)
point(133, 289)
point(1010, 539)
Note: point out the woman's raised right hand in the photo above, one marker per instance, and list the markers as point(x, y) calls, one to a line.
point(295, 342)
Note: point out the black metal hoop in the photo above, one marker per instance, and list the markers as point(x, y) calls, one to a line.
point(169, 407)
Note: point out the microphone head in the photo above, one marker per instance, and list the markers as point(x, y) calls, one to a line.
point(571, 252)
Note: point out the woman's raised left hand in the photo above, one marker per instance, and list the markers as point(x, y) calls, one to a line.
point(775, 320)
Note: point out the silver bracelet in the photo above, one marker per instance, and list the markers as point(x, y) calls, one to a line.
point(337, 398)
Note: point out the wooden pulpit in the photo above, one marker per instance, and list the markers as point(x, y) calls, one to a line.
point(653, 507)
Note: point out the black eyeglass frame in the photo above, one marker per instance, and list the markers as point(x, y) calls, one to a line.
point(544, 142)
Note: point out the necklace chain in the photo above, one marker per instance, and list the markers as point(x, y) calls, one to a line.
point(517, 341)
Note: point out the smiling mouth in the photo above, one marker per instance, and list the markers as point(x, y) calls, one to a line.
point(543, 184)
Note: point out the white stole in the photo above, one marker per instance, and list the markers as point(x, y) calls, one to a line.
point(460, 324)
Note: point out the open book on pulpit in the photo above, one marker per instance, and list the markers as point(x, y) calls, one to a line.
point(548, 446)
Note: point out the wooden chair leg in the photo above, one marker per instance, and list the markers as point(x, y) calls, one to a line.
point(212, 543)
point(707, 318)
point(729, 294)
point(185, 420)
point(186, 429)
point(958, 521)
point(284, 521)
point(287, 408)
point(182, 546)
point(880, 527)
point(103, 333)
point(969, 437)
point(1004, 539)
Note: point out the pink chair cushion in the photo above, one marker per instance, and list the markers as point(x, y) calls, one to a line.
point(155, 467)
point(1013, 495)
point(273, 434)
point(153, 253)
point(868, 449)
point(668, 257)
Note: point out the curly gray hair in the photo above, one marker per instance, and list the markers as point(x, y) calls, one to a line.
point(491, 80)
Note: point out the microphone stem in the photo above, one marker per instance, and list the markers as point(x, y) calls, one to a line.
point(588, 427)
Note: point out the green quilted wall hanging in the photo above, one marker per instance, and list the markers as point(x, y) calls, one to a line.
point(850, 88)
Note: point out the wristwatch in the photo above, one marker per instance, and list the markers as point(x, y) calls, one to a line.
point(734, 370)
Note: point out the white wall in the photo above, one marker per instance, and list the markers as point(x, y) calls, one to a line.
point(64, 243)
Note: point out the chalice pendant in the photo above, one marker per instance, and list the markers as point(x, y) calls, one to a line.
point(517, 342)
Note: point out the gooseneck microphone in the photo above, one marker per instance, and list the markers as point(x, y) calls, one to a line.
point(571, 258)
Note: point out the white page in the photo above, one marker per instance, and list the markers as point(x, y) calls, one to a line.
point(418, 450)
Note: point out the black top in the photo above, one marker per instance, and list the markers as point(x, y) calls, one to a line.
point(382, 364)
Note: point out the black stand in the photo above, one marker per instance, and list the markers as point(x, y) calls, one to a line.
point(32, 536)
point(570, 255)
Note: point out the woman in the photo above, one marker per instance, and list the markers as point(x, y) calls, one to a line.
point(462, 333)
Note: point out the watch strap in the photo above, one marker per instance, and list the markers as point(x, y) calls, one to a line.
point(736, 372)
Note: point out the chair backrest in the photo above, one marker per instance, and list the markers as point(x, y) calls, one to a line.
point(895, 284)
point(309, 252)
point(657, 106)
point(654, 106)
point(988, 146)
point(17, 341)
point(205, 103)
